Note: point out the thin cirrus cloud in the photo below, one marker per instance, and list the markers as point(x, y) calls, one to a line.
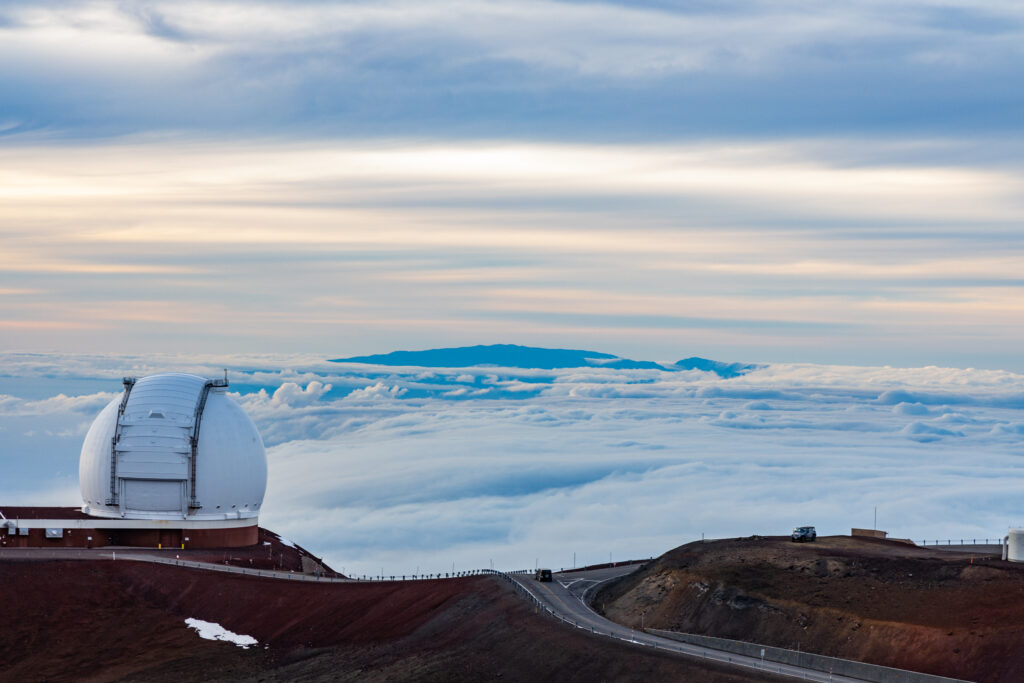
point(629, 69)
point(398, 468)
point(788, 240)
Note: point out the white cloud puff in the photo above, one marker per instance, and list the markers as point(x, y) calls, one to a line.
point(377, 392)
point(904, 408)
point(291, 394)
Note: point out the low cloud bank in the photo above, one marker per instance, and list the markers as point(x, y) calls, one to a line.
point(433, 468)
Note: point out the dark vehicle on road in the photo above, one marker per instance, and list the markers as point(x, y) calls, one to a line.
point(542, 575)
point(803, 533)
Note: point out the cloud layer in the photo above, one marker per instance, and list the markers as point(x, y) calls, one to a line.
point(536, 66)
point(785, 251)
point(395, 467)
point(771, 181)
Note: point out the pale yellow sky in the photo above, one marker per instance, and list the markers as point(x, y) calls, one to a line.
point(263, 245)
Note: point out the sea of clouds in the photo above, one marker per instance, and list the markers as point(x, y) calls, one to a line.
point(406, 469)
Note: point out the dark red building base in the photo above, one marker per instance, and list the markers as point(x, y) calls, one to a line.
point(97, 536)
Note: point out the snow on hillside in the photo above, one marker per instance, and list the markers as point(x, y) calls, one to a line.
point(211, 631)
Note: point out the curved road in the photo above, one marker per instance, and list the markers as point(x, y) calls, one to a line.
point(565, 598)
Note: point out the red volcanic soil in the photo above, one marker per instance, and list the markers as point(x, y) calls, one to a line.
point(871, 600)
point(111, 621)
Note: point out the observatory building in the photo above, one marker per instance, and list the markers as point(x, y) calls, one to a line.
point(172, 462)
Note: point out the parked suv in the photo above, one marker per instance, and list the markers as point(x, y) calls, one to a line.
point(803, 533)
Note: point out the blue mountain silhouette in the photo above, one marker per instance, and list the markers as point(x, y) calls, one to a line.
point(531, 357)
point(505, 356)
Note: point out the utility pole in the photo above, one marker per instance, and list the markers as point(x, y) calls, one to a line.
point(876, 518)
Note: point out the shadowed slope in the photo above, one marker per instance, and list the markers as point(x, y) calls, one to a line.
point(882, 602)
point(109, 621)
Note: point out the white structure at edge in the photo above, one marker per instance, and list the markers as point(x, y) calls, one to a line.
point(173, 447)
point(1013, 545)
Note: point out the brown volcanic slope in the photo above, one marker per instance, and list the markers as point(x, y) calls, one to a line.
point(109, 621)
point(871, 600)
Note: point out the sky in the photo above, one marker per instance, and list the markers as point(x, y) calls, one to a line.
point(834, 191)
point(758, 181)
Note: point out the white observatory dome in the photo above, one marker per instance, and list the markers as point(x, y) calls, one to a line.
point(173, 446)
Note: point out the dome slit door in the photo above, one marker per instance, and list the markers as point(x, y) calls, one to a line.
point(114, 498)
point(193, 501)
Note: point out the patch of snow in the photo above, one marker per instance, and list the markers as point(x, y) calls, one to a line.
point(211, 631)
point(285, 541)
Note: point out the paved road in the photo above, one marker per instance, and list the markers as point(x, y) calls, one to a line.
point(567, 595)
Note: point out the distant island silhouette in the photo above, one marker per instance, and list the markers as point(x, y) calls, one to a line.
point(531, 357)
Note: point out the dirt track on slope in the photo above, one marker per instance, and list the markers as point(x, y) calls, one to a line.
point(870, 600)
point(111, 621)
